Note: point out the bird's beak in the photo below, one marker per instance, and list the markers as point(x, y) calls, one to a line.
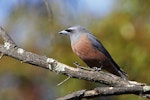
point(63, 32)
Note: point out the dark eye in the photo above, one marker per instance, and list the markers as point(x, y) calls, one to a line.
point(68, 30)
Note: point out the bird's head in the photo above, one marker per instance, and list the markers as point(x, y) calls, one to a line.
point(74, 33)
point(74, 30)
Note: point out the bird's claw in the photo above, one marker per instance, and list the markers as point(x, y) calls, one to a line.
point(97, 69)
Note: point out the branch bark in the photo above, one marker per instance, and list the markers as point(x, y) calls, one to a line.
point(9, 48)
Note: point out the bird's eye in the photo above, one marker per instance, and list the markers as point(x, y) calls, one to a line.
point(69, 30)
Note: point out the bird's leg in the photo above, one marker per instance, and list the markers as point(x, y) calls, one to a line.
point(77, 64)
point(81, 67)
point(98, 68)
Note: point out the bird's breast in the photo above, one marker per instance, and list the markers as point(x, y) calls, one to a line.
point(85, 50)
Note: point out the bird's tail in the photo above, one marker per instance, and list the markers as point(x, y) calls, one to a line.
point(123, 74)
point(115, 69)
point(120, 71)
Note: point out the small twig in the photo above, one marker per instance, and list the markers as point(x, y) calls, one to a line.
point(64, 81)
point(6, 37)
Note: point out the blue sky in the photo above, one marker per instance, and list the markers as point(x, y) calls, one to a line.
point(95, 7)
point(98, 7)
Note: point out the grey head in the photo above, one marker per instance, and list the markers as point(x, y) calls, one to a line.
point(74, 33)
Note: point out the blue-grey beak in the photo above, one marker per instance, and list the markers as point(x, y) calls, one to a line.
point(63, 32)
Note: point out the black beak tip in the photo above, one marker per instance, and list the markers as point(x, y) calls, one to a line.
point(63, 32)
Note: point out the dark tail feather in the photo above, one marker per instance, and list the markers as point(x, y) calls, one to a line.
point(123, 74)
point(119, 70)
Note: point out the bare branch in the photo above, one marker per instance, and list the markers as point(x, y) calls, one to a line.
point(107, 91)
point(55, 66)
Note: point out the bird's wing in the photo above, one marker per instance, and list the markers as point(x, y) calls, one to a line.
point(98, 45)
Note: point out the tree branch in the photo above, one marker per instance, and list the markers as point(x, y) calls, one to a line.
point(108, 91)
point(12, 50)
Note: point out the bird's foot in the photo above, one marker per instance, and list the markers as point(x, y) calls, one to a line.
point(97, 69)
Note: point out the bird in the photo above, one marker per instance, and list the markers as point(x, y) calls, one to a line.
point(88, 48)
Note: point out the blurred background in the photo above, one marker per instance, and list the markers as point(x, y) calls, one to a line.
point(123, 26)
